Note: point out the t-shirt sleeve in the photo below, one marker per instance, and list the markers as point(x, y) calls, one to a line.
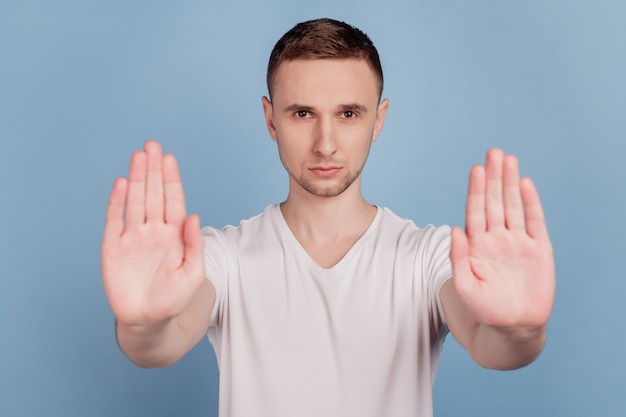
point(216, 267)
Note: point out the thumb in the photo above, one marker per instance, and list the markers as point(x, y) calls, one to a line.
point(459, 256)
point(193, 264)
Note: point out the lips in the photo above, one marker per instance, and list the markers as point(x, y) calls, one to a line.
point(325, 171)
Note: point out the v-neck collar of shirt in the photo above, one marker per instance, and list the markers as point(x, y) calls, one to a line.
point(303, 254)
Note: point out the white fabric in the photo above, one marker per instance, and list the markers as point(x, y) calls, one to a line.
point(362, 338)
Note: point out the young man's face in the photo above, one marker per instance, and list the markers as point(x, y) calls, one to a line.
point(324, 115)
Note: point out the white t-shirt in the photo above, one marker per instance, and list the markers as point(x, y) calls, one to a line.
point(360, 339)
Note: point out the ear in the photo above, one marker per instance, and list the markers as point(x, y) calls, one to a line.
point(268, 110)
point(381, 113)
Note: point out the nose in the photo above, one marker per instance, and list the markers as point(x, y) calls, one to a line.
point(325, 143)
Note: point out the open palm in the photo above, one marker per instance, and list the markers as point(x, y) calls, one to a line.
point(151, 251)
point(503, 262)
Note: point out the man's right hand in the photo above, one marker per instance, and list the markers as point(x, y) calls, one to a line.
point(152, 253)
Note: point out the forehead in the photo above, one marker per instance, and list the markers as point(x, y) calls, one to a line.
point(302, 80)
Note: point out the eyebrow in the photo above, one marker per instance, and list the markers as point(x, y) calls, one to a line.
point(341, 108)
point(359, 108)
point(297, 107)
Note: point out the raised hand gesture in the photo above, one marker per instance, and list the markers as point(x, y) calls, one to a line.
point(503, 263)
point(152, 259)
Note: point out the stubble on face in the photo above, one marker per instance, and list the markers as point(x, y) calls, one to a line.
point(334, 189)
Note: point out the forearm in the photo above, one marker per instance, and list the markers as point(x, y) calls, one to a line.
point(152, 346)
point(163, 344)
point(505, 348)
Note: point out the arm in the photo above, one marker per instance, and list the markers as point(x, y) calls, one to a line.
point(152, 263)
point(163, 344)
point(499, 300)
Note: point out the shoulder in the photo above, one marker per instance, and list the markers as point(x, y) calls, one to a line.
point(404, 228)
point(254, 228)
point(244, 224)
point(428, 244)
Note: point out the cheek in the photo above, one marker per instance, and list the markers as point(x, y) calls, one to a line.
point(288, 130)
point(288, 150)
point(358, 137)
point(293, 139)
point(360, 146)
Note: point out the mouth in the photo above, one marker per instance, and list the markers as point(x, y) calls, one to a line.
point(323, 171)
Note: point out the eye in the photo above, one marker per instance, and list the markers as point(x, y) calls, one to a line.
point(301, 114)
point(349, 114)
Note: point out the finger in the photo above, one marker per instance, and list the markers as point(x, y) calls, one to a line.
point(513, 208)
point(194, 246)
point(114, 223)
point(475, 222)
point(175, 211)
point(494, 207)
point(535, 220)
point(154, 184)
point(136, 191)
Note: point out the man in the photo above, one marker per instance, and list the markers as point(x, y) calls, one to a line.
point(326, 305)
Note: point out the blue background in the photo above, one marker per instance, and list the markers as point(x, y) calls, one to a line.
point(84, 83)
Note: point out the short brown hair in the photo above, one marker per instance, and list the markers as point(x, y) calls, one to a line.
point(324, 39)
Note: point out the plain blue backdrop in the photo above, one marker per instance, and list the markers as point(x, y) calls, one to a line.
point(84, 83)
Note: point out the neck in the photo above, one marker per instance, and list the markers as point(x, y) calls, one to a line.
point(327, 219)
